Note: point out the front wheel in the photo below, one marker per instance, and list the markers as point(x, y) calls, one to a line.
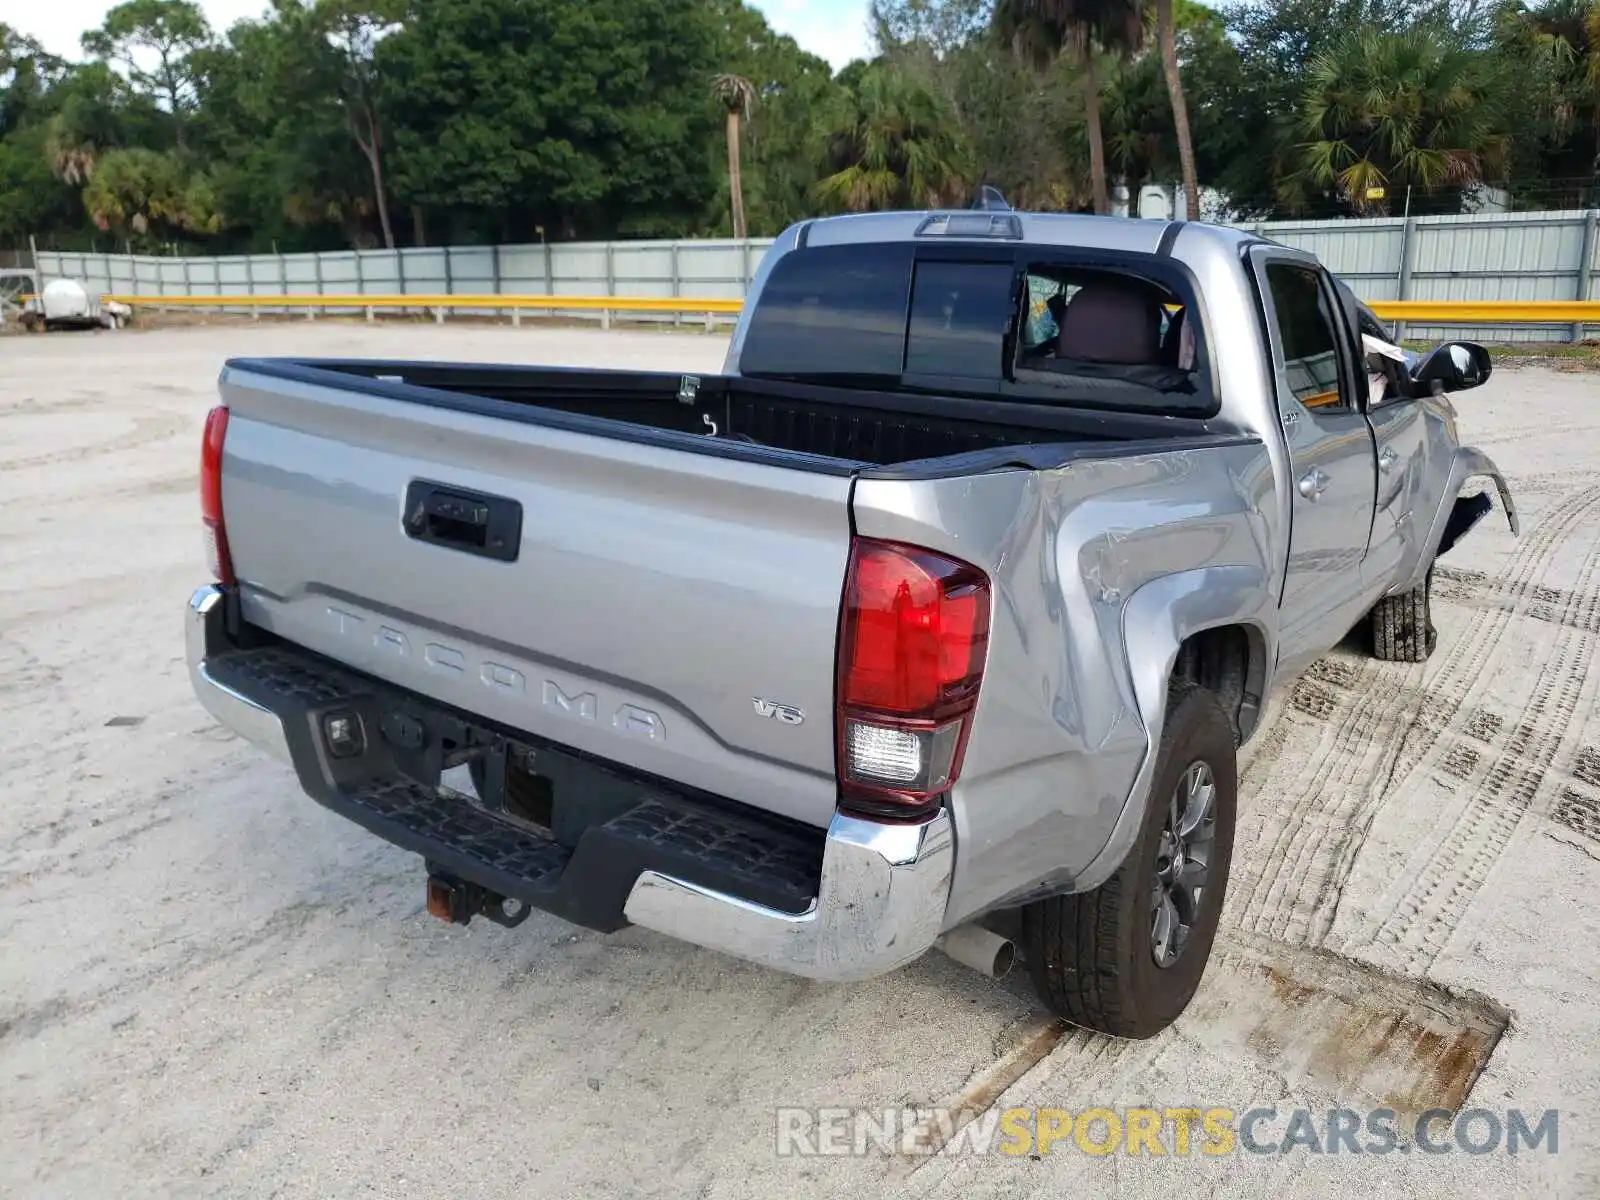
point(1402, 625)
point(1127, 958)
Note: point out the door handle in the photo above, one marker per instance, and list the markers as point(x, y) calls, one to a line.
point(1313, 483)
point(1387, 459)
point(488, 526)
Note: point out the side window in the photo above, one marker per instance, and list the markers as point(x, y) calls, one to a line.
point(959, 314)
point(1306, 331)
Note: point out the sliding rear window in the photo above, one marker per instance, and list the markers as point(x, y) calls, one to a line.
point(960, 312)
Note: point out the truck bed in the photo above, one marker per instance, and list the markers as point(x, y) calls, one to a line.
point(855, 427)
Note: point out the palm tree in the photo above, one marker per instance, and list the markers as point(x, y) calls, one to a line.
point(892, 144)
point(738, 96)
point(140, 190)
point(1392, 110)
point(71, 155)
point(1041, 32)
point(1167, 35)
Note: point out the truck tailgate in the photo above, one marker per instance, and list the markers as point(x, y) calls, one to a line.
point(657, 596)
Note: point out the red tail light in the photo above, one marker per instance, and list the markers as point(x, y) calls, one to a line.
point(211, 496)
point(913, 636)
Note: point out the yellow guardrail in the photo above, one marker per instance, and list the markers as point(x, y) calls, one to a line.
point(1490, 312)
point(1436, 312)
point(656, 304)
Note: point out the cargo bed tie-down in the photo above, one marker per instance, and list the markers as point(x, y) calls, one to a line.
point(855, 901)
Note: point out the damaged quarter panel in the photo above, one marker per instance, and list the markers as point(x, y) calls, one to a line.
point(1100, 569)
point(1450, 468)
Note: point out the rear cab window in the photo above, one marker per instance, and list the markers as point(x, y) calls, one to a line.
point(1034, 325)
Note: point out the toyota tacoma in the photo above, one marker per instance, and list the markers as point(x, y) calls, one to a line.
point(942, 609)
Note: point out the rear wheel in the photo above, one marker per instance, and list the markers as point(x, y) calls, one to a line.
point(1127, 958)
point(1402, 625)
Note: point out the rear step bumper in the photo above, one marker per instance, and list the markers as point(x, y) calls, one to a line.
point(862, 900)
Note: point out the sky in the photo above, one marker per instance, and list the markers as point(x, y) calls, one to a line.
point(834, 29)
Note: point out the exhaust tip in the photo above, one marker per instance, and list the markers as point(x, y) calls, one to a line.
point(983, 950)
point(1004, 959)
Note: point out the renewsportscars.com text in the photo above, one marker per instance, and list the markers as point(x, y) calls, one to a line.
point(1178, 1132)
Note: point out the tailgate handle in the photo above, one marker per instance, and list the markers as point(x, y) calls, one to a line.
point(489, 526)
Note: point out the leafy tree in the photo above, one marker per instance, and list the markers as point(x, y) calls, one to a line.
point(1021, 124)
point(169, 30)
point(1137, 112)
point(26, 75)
point(31, 198)
point(273, 124)
point(584, 119)
point(1143, 142)
point(778, 159)
point(1549, 61)
point(1044, 31)
point(1032, 131)
point(1263, 87)
point(353, 29)
point(321, 122)
point(94, 111)
point(935, 28)
point(890, 144)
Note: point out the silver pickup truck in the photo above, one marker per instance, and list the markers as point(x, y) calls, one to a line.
point(942, 610)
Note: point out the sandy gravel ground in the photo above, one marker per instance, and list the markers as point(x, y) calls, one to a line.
point(211, 986)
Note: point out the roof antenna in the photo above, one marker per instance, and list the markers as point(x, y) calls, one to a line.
point(989, 199)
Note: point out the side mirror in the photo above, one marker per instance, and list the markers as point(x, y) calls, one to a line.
point(1453, 367)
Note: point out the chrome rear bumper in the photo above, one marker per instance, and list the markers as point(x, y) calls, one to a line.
point(205, 634)
point(880, 902)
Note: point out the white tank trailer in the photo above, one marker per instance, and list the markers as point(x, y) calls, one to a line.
point(67, 304)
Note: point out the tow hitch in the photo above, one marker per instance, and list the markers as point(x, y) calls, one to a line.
point(456, 902)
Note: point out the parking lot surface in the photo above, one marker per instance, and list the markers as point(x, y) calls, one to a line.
point(212, 986)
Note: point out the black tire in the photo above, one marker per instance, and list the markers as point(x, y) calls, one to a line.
point(1402, 625)
point(1092, 956)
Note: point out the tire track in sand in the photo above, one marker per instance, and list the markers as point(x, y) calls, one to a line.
point(146, 430)
point(1315, 820)
point(1418, 925)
